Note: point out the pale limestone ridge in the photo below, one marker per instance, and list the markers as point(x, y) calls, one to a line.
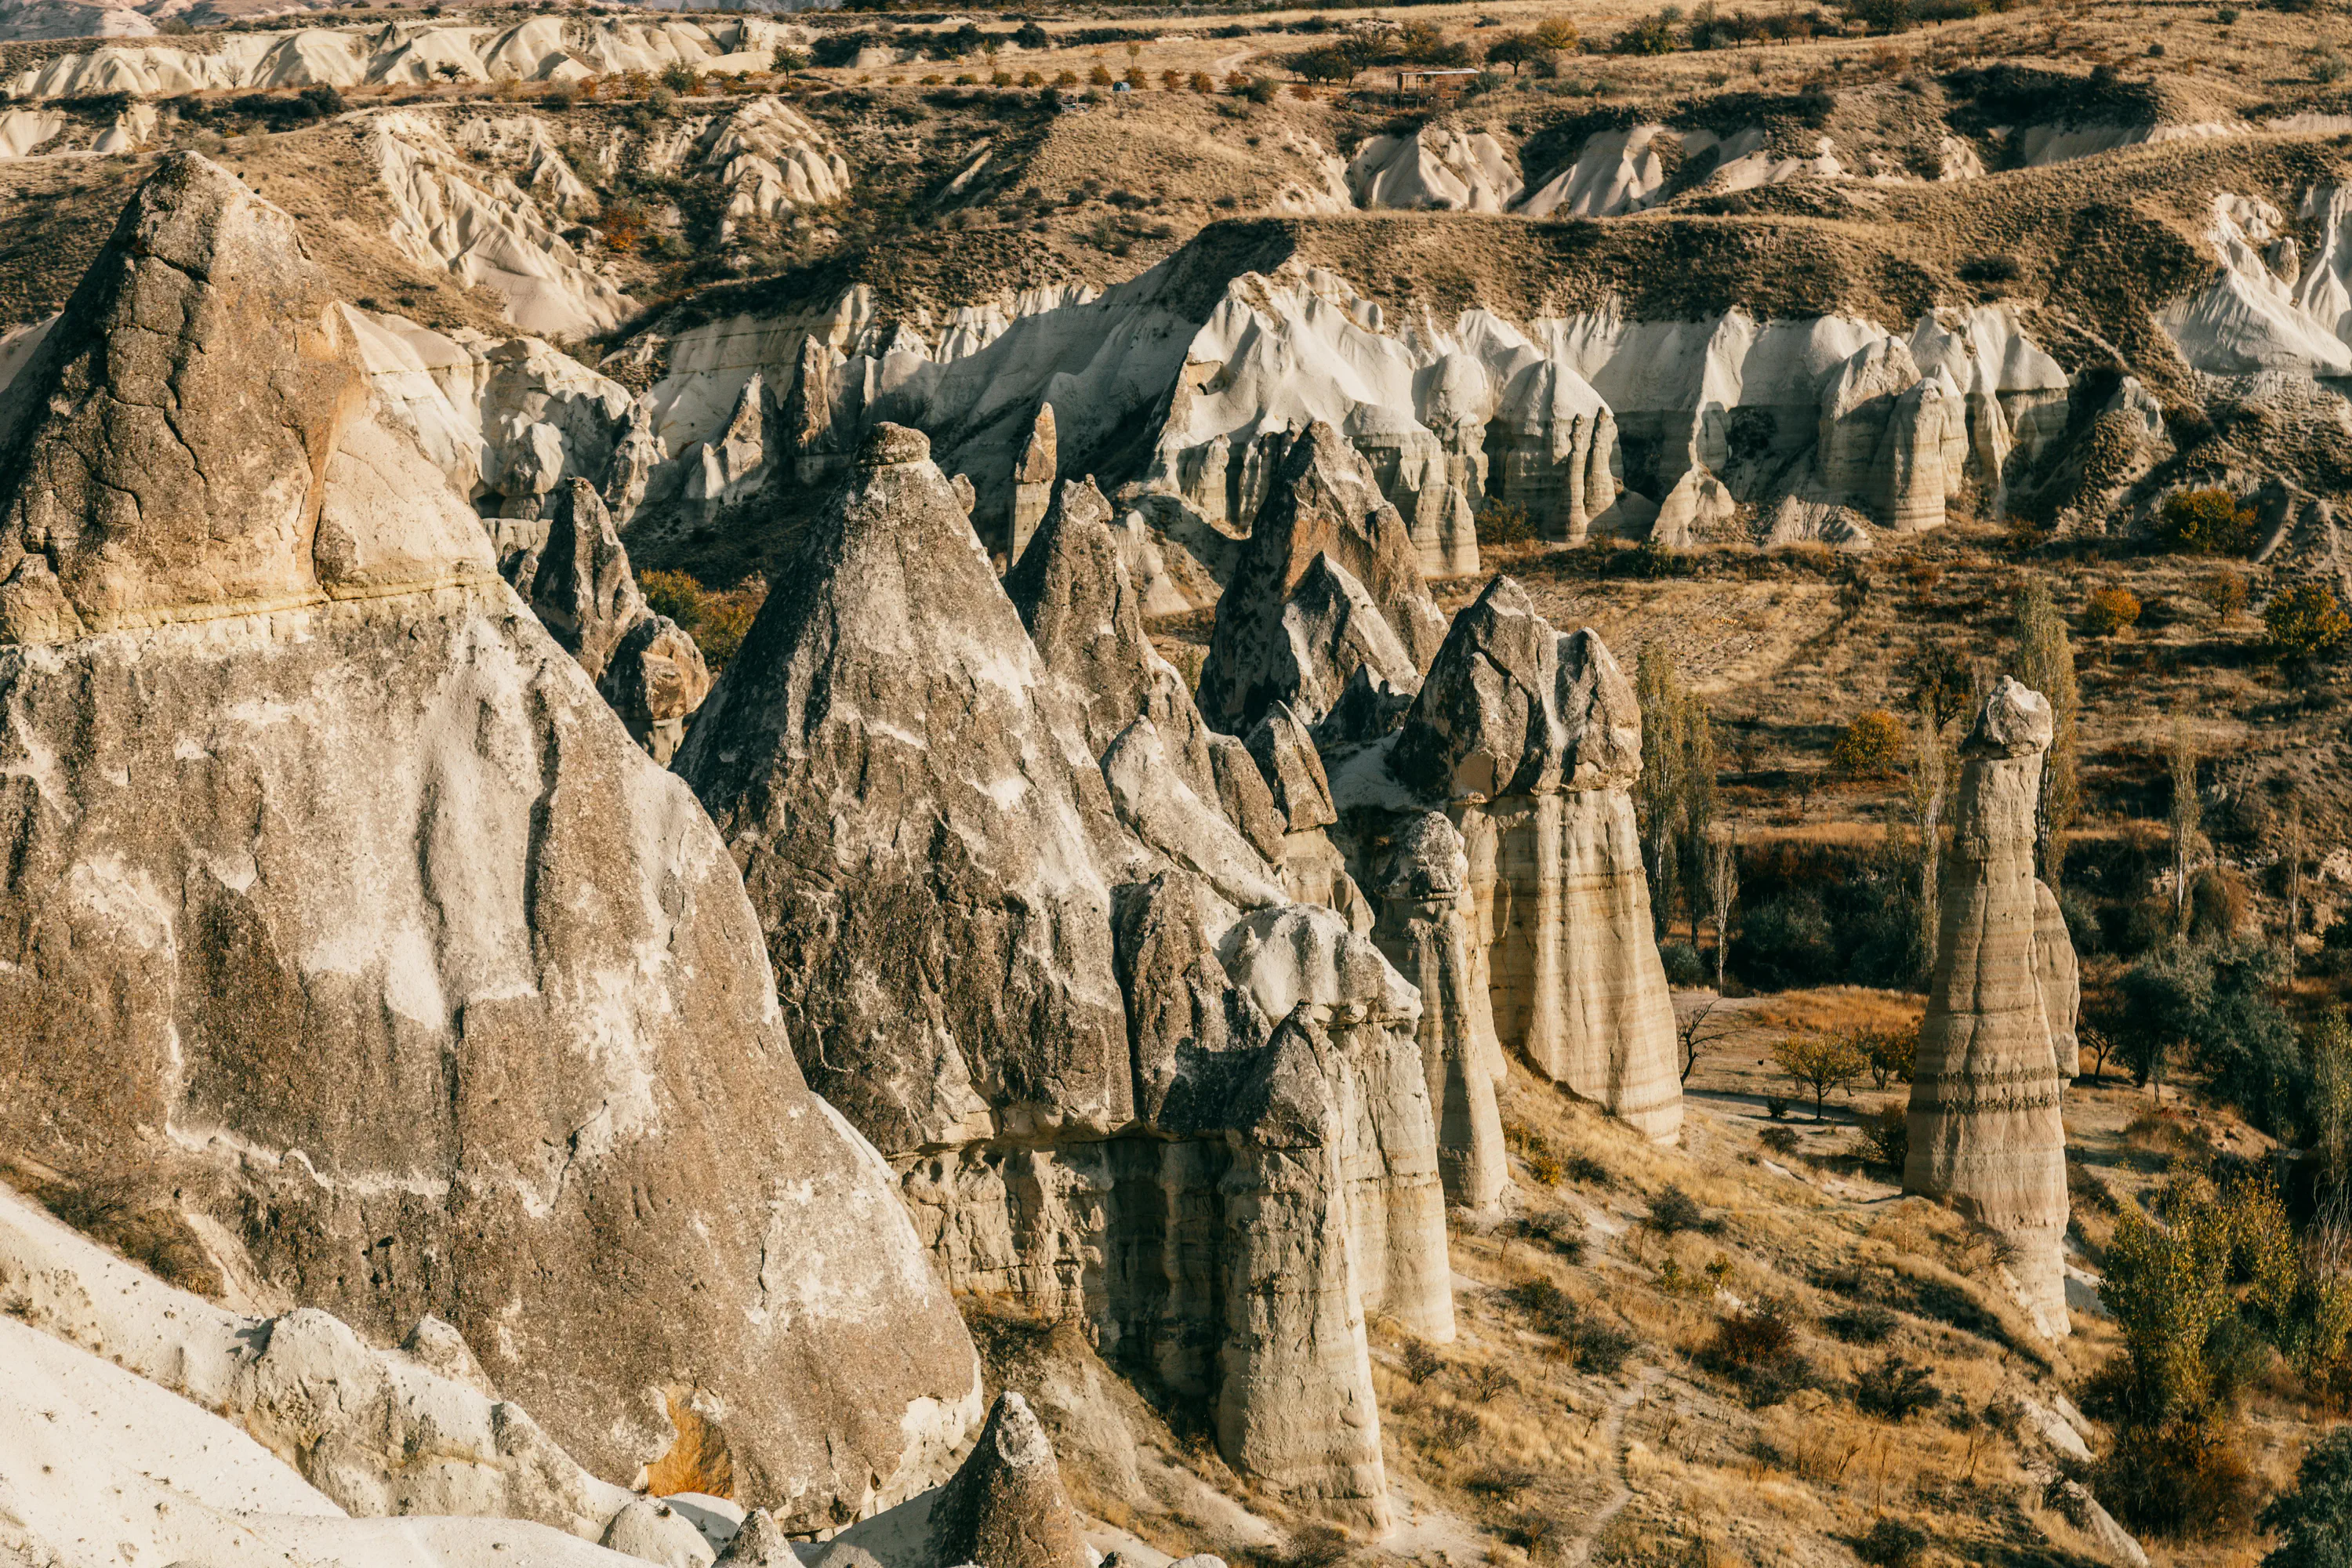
point(340, 898)
point(1985, 1130)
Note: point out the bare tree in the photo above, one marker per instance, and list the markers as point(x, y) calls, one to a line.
point(2045, 661)
point(1722, 889)
point(2186, 815)
point(1702, 1030)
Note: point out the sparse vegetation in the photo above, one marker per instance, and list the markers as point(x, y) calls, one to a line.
point(718, 620)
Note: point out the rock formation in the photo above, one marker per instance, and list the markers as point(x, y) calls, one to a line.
point(1030, 952)
point(572, 568)
point(1033, 481)
point(1294, 624)
point(1984, 1117)
point(1529, 741)
point(2059, 977)
point(1004, 1506)
point(338, 895)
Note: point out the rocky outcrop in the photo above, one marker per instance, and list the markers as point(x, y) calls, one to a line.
point(1004, 1506)
point(1032, 953)
point(1423, 887)
point(338, 898)
point(1529, 741)
point(1033, 481)
point(1984, 1115)
point(1294, 624)
point(575, 571)
point(2059, 977)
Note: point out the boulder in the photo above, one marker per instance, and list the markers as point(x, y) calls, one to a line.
point(651, 1529)
point(654, 682)
point(1004, 1506)
point(1984, 1113)
point(339, 896)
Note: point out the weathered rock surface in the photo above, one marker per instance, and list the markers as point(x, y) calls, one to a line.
point(1529, 741)
point(1423, 888)
point(1004, 1506)
point(2059, 977)
point(1033, 481)
point(336, 891)
point(1035, 956)
point(1292, 626)
point(1984, 1115)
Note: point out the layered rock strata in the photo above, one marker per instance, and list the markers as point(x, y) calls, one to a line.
point(1529, 741)
point(1028, 950)
point(1984, 1115)
point(337, 895)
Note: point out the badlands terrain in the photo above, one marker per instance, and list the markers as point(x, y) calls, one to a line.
point(861, 787)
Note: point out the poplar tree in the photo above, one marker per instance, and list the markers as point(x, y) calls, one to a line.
point(2045, 661)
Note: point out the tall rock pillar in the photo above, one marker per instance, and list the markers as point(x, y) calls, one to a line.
point(1984, 1120)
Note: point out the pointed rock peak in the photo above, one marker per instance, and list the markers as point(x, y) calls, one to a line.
point(1005, 1506)
point(1600, 718)
point(891, 445)
point(1285, 1103)
point(1325, 497)
point(1074, 540)
point(1482, 724)
point(2015, 721)
point(1285, 755)
point(1039, 457)
point(195, 435)
point(759, 1543)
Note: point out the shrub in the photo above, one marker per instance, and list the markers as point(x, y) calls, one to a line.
point(679, 76)
point(2304, 622)
point(1505, 522)
point(1867, 1324)
point(556, 99)
point(718, 620)
point(1652, 36)
point(1586, 1168)
point(1892, 1053)
point(1673, 1211)
point(2314, 1521)
point(1785, 941)
point(1421, 1362)
point(1781, 1140)
point(1894, 1390)
point(787, 59)
point(1683, 964)
point(2224, 594)
point(1099, 76)
point(1596, 1347)
point(2110, 611)
point(1881, 16)
point(1557, 1229)
point(1200, 81)
point(1872, 747)
point(1891, 1543)
point(1755, 1347)
point(2203, 523)
point(2185, 1481)
point(1886, 1137)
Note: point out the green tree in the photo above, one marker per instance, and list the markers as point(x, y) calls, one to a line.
point(2314, 1521)
point(2045, 661)
point(1660, 795)
point(2304, 622)
point(1822, 1064)
point(2203, 523)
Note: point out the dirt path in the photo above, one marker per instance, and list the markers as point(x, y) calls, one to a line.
point(1579, 1550)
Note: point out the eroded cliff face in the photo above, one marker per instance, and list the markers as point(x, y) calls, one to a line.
point(1028, 937)
point(336, 893)
point(1985, 1128)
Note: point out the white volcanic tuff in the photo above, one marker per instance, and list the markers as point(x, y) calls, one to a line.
point(502, 420)
point(449, 215)
point(1622, 171)
point(447, 960)
point(21, 131)
point(2268, 312)
point(543, 49)
point(1434, 169)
